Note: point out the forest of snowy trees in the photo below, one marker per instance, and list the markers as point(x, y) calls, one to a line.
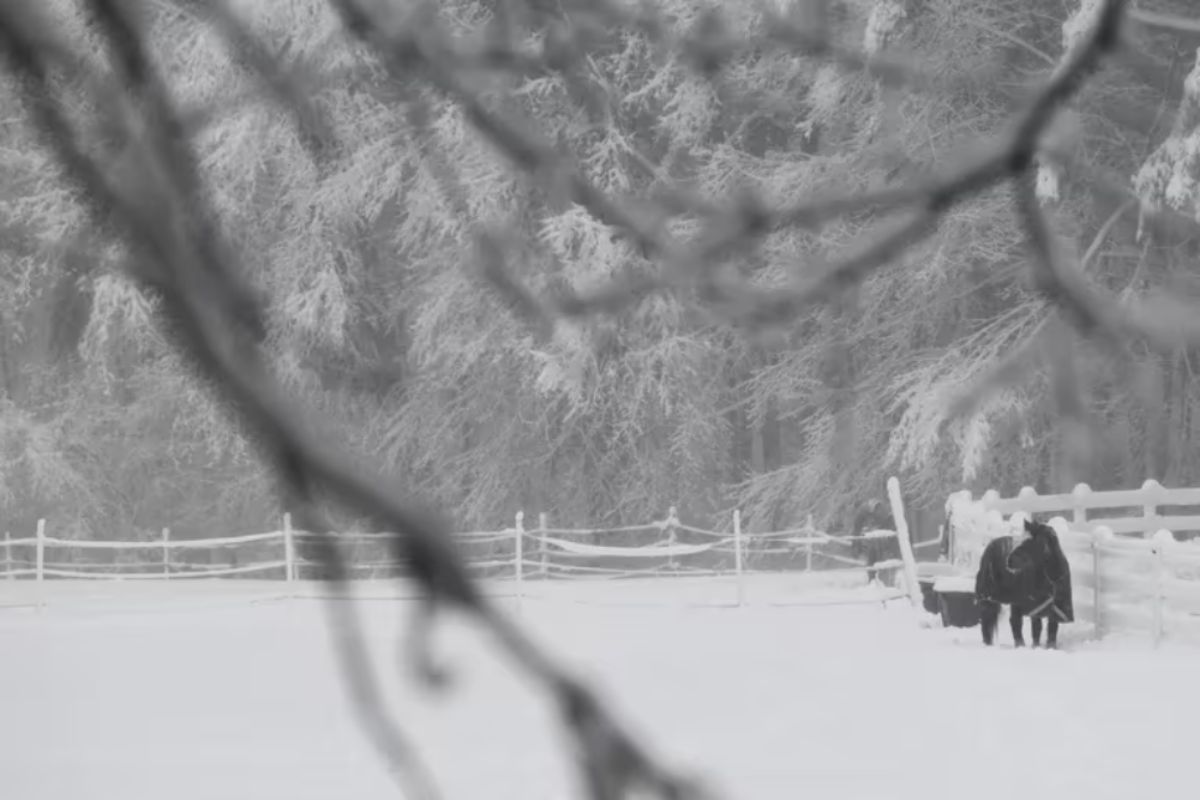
point(368, 241)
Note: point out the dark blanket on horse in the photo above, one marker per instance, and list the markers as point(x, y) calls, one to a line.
point(1038, 589)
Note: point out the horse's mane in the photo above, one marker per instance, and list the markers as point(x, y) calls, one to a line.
point(1053, 545)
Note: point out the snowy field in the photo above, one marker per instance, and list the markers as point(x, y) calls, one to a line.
point(165, 694)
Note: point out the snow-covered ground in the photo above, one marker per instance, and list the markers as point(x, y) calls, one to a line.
point(171, 695)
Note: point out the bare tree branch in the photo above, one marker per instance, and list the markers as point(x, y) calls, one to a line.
point(185, 260)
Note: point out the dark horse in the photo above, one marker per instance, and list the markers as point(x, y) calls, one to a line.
point(1031, 576)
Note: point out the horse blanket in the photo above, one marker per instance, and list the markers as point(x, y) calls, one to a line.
point(1040, 589)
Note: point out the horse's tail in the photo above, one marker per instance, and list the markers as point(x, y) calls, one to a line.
point(989, 578)
point(984, 576)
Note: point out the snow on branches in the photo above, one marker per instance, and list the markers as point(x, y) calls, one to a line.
point(1170, 177)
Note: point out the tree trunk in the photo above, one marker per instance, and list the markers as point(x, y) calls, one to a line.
point(1155, 390)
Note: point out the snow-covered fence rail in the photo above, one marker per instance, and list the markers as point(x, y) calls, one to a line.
point(1135, 584)
point(661, 548)
point(1078, 504)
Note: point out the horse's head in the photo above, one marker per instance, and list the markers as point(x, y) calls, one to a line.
point(1038, 548)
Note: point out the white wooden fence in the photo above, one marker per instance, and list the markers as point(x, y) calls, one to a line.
point(1130, 571)
point(1080, 501)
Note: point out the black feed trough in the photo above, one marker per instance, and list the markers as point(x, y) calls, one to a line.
point(956, 601)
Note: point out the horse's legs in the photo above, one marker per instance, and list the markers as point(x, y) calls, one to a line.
point(1016, 621)
point(1052, 633)
point(1035, 625)
point(989, 615)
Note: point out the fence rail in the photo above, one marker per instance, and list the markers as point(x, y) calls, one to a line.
point(1078, 504)
point(664, 547)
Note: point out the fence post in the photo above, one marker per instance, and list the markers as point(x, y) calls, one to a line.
point(8, 562)
point(545, 554)
point(40, 557)
point(672, 538)
point(809, 534)
point(1079, 497)
point(1100, 535)
point(1162, 541)
point(1151, 490)
point(906, 551)
point(954, 547)
point(519, 555)
point(40, 572)
point(289, 549)
point(166, 553)
point(737, 554)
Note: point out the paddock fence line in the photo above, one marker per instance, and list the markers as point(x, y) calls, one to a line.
point(521, 553)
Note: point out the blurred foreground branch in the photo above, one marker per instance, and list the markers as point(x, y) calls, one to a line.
point(182, 255)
